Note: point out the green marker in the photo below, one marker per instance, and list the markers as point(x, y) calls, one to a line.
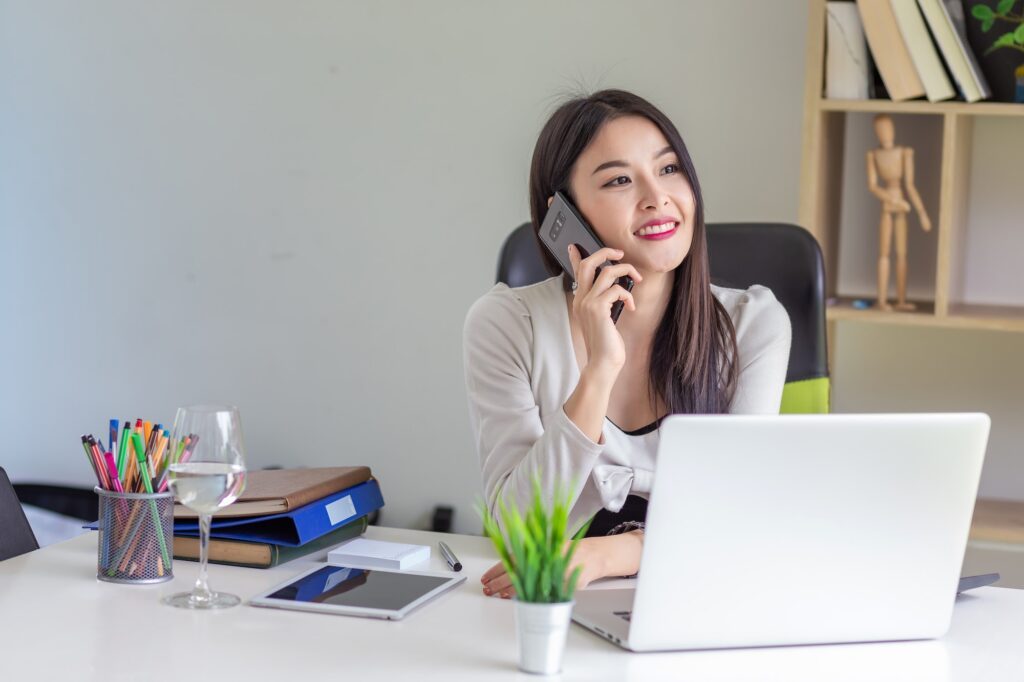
point(140, 457)
point(122, 450)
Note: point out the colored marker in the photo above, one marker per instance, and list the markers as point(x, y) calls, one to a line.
point(88, 456)
point(181, 449)
point(122, 450)
point(140, 455)
point(140, 459)
point(158, 456)
point(101, 469)
point(192, 443)
point(114, 425)
point(112, 470)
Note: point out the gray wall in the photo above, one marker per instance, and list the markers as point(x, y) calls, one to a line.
point(290, 206)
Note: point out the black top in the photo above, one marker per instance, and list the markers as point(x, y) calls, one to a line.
point(642, 431)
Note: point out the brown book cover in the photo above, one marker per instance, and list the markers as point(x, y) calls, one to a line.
point(889, 51)
point(262, 554)
point(277, 491)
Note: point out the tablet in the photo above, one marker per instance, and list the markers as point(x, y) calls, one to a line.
point(372, 593)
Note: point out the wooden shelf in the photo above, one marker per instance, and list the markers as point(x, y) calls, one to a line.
point(961, 316)
point(879, 106)
point(998, 521)
point(821, 189)
point(843, 309)
point(1000, 318)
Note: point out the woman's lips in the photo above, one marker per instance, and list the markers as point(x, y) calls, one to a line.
point(660, 235)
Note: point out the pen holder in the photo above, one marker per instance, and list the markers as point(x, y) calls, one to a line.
point(136, 535)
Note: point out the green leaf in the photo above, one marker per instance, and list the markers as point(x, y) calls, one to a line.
point(513, 526)
point(983, 12)
point(1004, 40)
point(559, 520)
point(546, 582)
point(517, 584)
point(529, 592)
point(570, 589)
point(558, 566)
point(987, 24)
point(1004, 6)
point(533, 547)
point(536, 531)
point(1018, 35)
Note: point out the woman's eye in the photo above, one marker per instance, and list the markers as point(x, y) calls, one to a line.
point(621, 180)
point(671, 168)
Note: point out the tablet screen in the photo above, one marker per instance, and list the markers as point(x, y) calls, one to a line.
point(359, 587)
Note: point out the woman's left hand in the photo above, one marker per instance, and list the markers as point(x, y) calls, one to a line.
point(591, 554)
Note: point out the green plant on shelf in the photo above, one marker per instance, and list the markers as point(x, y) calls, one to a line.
point(1003, 12)
point(534, 548)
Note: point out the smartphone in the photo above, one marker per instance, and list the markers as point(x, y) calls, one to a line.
point(562, 226)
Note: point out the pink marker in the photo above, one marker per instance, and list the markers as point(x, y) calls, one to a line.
point(112, 470)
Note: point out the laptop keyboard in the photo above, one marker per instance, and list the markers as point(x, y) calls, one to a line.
point(624, 615)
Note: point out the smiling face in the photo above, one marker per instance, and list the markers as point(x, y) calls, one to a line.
point(630, 187)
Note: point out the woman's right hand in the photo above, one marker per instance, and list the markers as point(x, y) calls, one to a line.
point(592, 307)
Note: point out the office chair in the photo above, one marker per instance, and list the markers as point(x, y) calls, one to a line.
point(784, 258)
point(16, 536)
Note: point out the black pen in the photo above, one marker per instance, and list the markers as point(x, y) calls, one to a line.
point(449, 556)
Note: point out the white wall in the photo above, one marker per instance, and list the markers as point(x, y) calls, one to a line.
point(290, 206)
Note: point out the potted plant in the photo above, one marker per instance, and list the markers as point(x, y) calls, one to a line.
point(536, 553)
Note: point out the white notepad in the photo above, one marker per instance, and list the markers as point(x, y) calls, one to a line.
point(363, 553)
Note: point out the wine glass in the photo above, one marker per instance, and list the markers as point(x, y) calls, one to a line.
point(206, 473)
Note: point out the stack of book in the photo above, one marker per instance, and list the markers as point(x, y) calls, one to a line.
point(920, 48)
point(282, 515)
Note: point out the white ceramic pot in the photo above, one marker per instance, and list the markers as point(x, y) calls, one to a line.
point(541, 630)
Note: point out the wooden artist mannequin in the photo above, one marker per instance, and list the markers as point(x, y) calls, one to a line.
point(893, 165)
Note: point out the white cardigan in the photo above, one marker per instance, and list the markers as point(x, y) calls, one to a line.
point(521, 368)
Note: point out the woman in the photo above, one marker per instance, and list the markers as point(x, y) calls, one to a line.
point(556, 389)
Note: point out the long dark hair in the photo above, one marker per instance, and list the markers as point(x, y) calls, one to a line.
point(693, 366)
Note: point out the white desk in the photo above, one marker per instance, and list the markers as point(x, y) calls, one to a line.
point(59, 622)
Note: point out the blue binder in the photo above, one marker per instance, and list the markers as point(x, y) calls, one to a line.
point(296, 527)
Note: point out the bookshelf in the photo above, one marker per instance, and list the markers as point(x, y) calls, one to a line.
point(997, 523)
point(821, 187)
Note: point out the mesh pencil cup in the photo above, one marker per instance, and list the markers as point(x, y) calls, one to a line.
point(136, 536)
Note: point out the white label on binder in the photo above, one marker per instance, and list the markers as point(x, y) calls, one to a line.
point(340, 510)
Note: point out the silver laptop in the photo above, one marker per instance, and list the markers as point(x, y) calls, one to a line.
point(802, 529)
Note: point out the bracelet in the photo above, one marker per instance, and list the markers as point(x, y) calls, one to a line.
point(627, 526)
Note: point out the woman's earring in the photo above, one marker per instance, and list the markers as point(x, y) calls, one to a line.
point(574, 285)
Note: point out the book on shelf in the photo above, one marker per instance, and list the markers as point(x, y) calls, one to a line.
point(889, 50)
point(951, 39)
point(922, 50)
point(280, 490)
point(297, 526)
point(264, 554)
point(847, 66)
